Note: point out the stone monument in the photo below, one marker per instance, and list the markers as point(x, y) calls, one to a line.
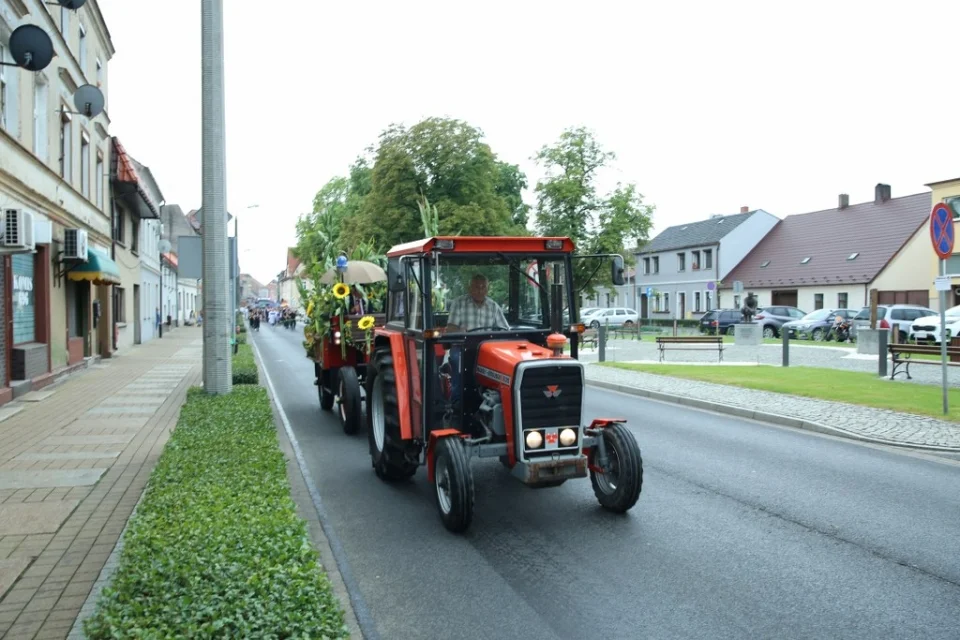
point(748, 333)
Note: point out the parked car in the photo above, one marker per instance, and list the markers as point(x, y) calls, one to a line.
point(816, 324)
point(614, 317)
point(719, 321)
point(772, 318)
point(888, 315)
point(926, 329)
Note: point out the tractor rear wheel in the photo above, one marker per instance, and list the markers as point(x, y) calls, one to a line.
point(387, 449)
point(453, 484)
point(619, 488)
point(351, 403)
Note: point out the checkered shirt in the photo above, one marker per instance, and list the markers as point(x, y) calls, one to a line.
point(467, 314)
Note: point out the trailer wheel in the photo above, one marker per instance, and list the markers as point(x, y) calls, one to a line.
point(619, 489)
point(325, 389)
point(351, 408)
point(453, 484)
point(387, 450)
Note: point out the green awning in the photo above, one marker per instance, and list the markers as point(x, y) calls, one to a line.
point(98, 269)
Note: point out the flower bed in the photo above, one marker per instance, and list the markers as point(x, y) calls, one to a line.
point(245, 366)
point(216, 548)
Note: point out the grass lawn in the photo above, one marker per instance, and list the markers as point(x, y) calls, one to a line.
point(810, 382)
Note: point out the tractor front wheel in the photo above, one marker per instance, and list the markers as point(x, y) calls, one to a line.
point(388, 454)
point(351, 405)
point(453, 484)
point(618, 489)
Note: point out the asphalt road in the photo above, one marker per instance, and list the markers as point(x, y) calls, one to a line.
point(742, 530)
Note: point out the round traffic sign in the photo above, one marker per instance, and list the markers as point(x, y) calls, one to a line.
point(941, 230)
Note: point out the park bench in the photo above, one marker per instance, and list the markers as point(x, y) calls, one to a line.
point(690, 343)
point(901, 356)
point(589, 338)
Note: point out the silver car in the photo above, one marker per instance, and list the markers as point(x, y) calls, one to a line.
point(889, 316)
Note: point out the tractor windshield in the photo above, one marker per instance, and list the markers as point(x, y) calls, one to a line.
point(506, 292)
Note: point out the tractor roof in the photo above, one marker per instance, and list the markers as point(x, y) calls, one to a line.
point(484, 244)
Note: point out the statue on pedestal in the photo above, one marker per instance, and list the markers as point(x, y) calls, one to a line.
point(749, 308)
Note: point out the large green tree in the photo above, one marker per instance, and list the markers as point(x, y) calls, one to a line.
point(446, 162)
point(568, 204)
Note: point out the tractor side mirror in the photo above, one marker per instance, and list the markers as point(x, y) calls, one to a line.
point(394, 275)
point(617, 271)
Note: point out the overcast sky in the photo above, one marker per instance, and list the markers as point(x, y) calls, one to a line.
point(708, 105)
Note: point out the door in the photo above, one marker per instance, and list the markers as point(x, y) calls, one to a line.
point(136, 314)
point(644, 306)
point(681, 305)
point(413, 343)
point(784, 298)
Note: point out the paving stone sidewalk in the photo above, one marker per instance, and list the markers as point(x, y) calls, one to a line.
point(874, 424)
point(74, 460)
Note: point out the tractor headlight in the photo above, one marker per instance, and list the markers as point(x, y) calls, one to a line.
point(568, 437)
point(534, 439)
point(336, 337)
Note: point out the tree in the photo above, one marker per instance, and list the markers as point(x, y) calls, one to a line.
point(510, 186)
point(568, 204)
point(445, 162)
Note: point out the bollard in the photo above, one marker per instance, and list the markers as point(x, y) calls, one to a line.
point(602, 342)
point(785, 335)
point(882, 349)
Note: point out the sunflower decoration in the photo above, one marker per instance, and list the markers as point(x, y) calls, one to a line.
point(341, 291)
point(365, 324)
point(326, 312)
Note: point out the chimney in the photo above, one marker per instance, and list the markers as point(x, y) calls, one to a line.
point(744, 209)
point(881, 193)
point(844, 201)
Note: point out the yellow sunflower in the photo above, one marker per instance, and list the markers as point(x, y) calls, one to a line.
point(365, 323)
point(341, 291)
point(310, 309)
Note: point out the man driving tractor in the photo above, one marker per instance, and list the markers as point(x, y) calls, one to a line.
point(470, 311)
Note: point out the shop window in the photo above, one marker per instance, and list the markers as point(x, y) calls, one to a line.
point(24, 315)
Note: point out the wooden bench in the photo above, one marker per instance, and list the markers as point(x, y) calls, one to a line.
point(589, 338)
point(901, 356)
point(690, 343)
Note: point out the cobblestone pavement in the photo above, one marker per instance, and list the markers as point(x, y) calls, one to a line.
point(878, 424)
point(74, 460)
point(801, 355)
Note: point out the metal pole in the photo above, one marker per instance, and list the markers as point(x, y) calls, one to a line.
point(943, 340)
point(217, 374)
point(160, 255)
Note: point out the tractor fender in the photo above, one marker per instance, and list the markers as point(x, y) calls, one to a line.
point(387, 338)
point(435, 437)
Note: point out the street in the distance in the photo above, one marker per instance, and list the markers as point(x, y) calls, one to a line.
point(742, 530)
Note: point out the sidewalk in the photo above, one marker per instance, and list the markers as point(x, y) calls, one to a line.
point(74, 460)
point(880, 426)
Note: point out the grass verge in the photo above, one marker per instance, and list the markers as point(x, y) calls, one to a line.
point(216, 548)
point(852, 387)
point(245, 366)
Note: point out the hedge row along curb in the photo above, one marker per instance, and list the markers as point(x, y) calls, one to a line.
point(245, 366)
point(216, 548)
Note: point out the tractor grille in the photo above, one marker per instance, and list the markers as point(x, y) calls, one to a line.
point(543, 406)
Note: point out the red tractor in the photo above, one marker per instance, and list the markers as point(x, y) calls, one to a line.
point(472, 362)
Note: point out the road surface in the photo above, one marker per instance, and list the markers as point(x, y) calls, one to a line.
point(742, 530)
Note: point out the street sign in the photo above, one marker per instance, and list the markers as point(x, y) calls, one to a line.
point(941, 230)
point(737, 286)
point(943, 283)
point(711, 286)
point(649, 292)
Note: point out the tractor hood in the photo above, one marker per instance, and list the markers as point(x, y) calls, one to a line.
point(497, 359)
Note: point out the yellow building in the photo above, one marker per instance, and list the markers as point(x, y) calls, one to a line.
point(948, 192)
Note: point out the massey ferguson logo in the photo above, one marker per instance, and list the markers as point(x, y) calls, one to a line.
point(552, 391)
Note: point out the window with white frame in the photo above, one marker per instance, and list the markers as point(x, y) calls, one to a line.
point(646, 266)
point(66, 145)
point(696, 302)
point(82, 50)
point(98, 180)
point(99, 73)
point(666, 303)
point(84, 164)
point(695, 258)
point(707, 259)
point(707, 300)
point(41, 117)
point(656, 264)
point(681, 261)
point(6, 97)
point(736, 301)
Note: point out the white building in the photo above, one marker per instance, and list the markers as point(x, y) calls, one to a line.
point(169, 309)
point(149, 278)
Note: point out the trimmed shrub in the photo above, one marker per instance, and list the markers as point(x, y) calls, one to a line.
point(216, 548)
point(245, 366)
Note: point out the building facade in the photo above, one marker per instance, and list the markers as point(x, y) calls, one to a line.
point(680, 271)
point(288, 290)
point(831, 259)
point(52, 167)
point(948, 192)
point(169, 307)
point(149, 280)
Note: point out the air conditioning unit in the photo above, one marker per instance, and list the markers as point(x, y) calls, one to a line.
point(17, 231)
point(75, 244)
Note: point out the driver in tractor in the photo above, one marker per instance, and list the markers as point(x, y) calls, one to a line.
point(468, 312)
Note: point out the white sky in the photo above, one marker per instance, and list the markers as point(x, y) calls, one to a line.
point(709, 105)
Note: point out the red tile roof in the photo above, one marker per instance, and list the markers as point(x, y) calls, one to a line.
point(875, 232)
point(292, 262)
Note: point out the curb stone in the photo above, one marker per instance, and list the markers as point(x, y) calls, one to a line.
point(762, 416)
point(306, 496)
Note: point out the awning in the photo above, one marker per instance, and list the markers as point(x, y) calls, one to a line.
point(98, 269)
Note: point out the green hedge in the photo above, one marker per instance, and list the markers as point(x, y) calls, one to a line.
point(245, 366)
point(242, 338)
point(216, 548)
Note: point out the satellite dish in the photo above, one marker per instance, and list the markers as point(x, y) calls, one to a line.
point(73, 5)
point(31, 47)
point(165, 246)
point(89, 100)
